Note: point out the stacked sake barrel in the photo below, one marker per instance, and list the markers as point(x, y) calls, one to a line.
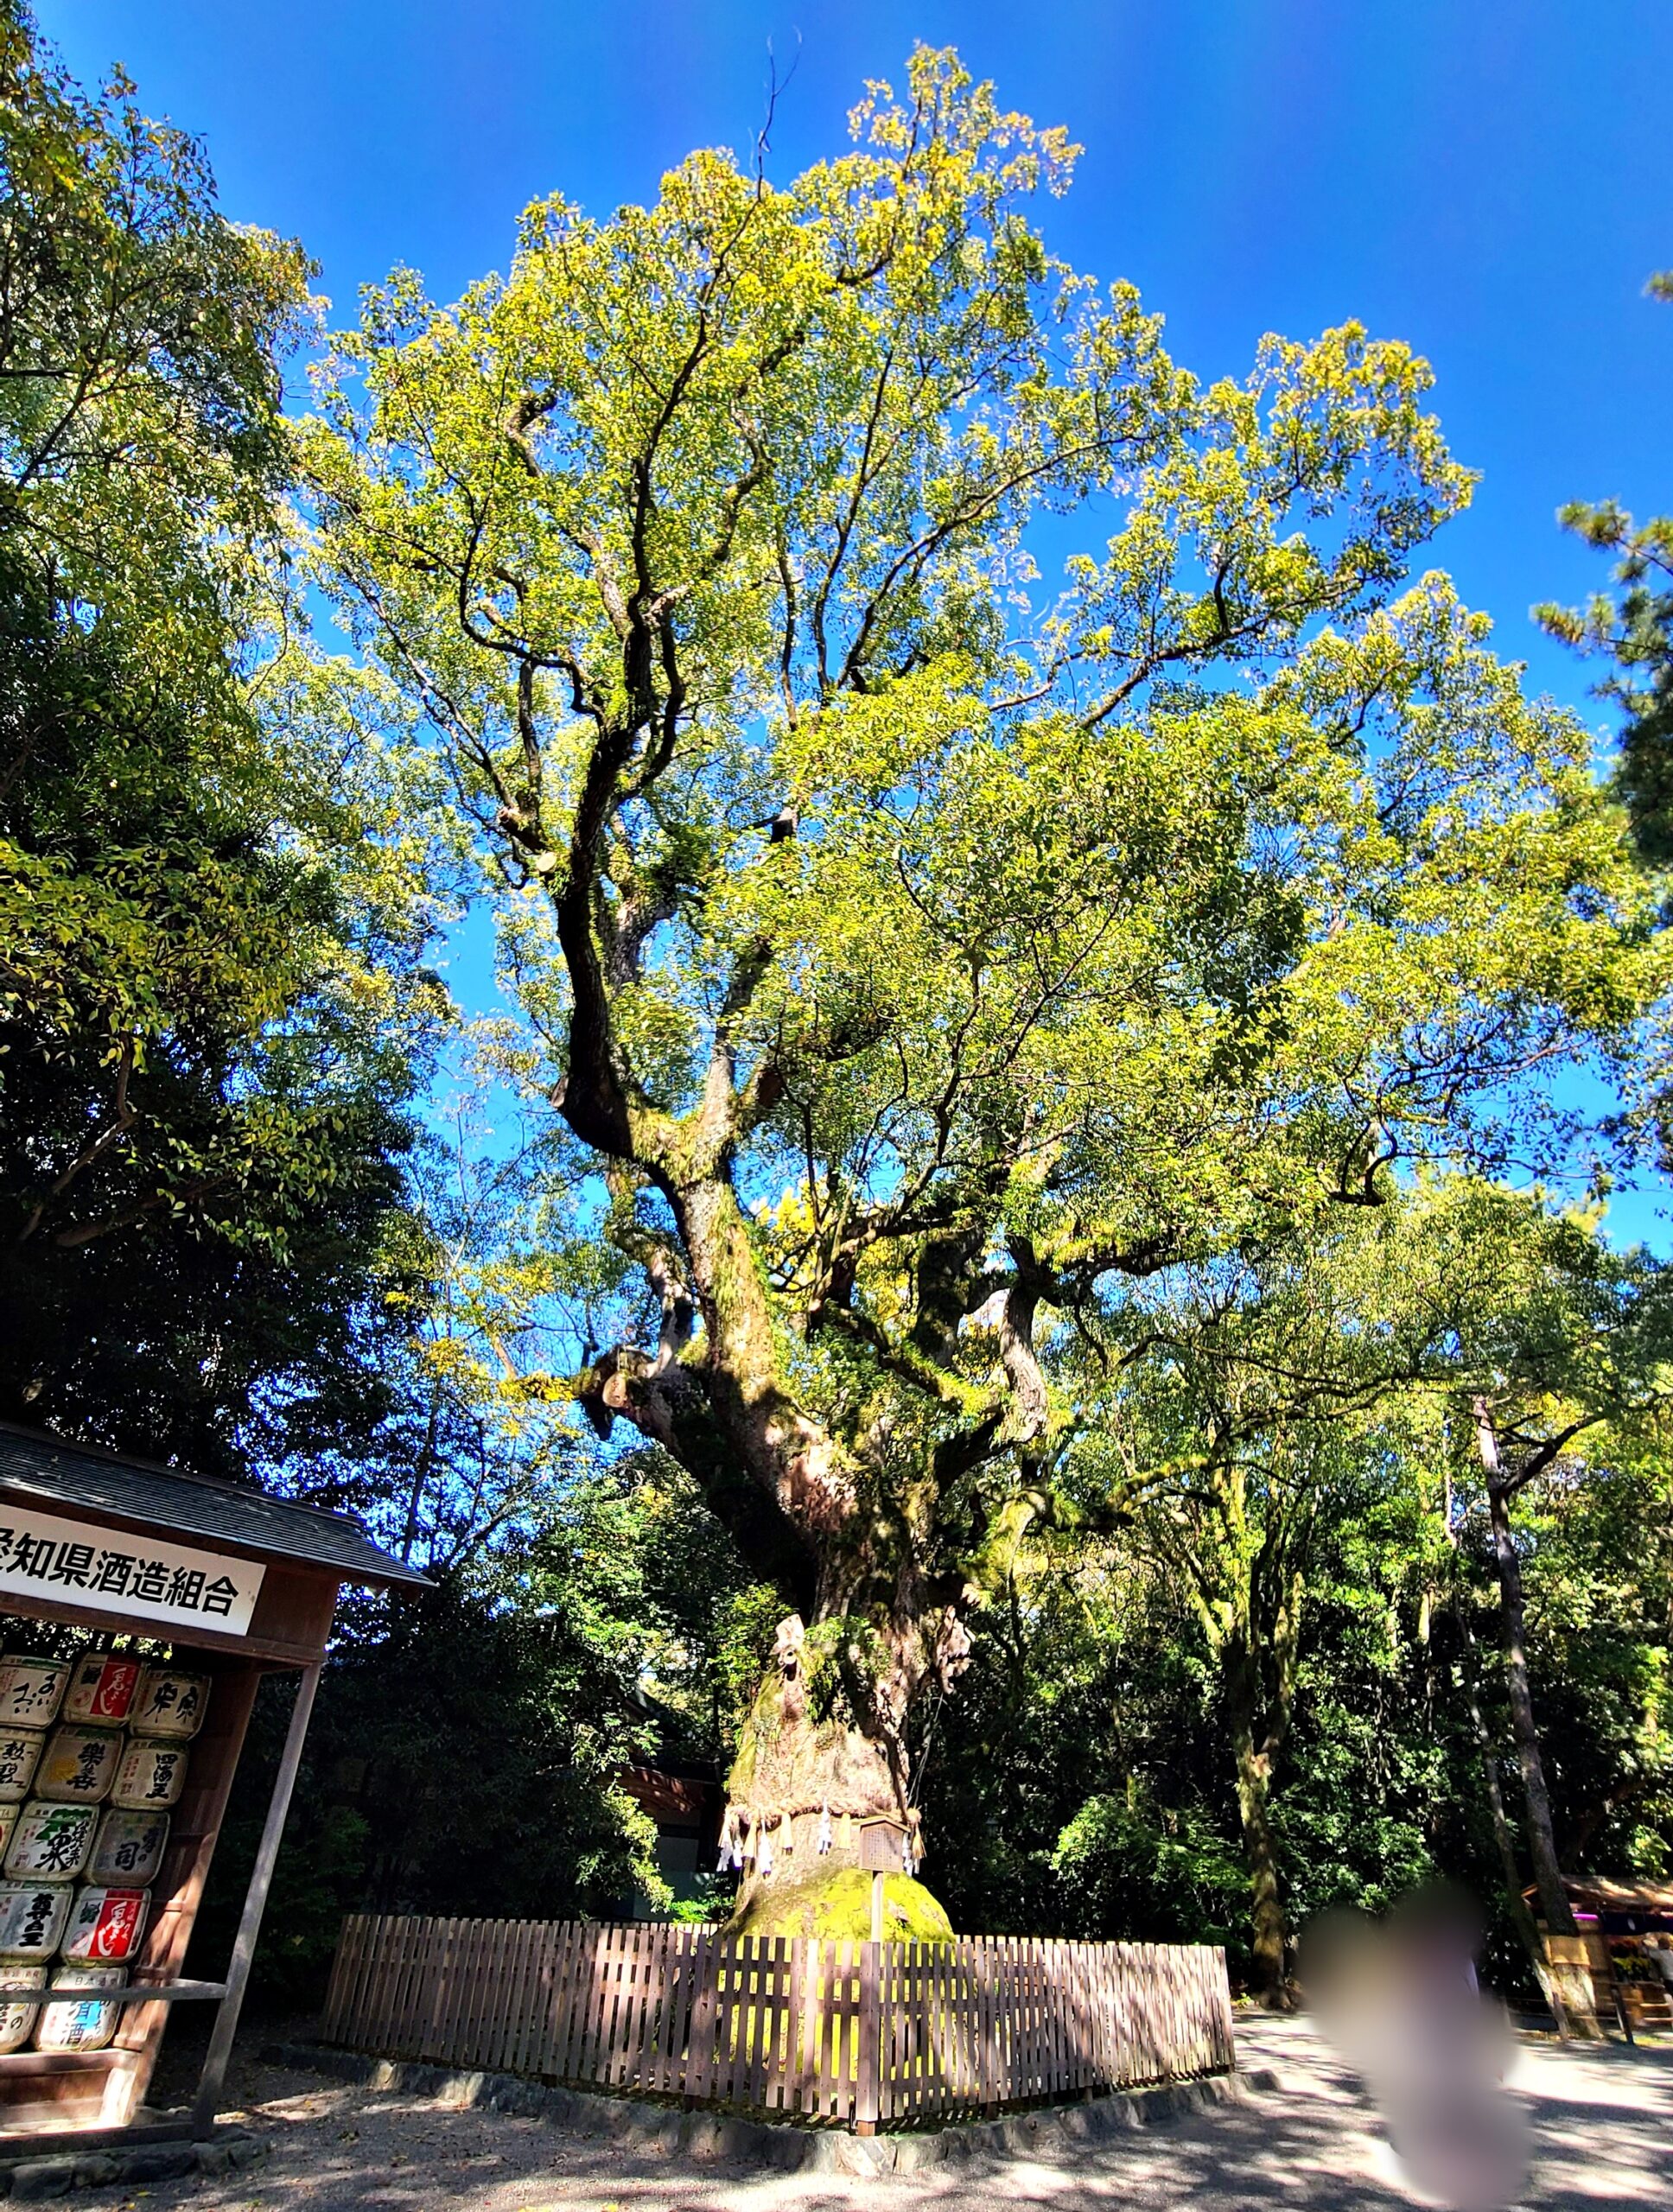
point(93, 1753)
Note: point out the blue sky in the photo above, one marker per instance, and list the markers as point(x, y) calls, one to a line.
point(1486, 179)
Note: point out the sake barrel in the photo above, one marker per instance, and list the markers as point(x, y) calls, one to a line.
point(80, 2027)
point(129, 1848)
point(32, 1917)
point(20, 1754)
point(151, 1776)
point(51, 1841)
point(17, 2015)
point(78, 1766)
point(31, 1690)
point(169, 1703)
point(102, 1689)
point(105, 1925)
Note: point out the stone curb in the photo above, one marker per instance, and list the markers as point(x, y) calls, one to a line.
point(712, 2135)
point(34, 2179)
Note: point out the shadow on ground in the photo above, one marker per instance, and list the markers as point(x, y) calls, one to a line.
point(1602, 2118)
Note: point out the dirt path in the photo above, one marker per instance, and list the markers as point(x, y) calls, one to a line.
point(1603, 2123)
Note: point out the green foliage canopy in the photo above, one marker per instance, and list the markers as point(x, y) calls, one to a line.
point(1633, 630)
point(209, 1000)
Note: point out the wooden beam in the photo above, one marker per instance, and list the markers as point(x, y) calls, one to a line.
point(282, 1650)
point(255, 1904)
point(162, 1993)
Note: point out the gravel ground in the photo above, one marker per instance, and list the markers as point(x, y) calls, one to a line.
point(1602, 2120)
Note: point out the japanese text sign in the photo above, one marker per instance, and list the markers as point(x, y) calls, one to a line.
point(110, 1571)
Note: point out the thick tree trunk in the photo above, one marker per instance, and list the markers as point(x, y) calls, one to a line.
point(1504, 1841)
point(1541, 1836)
point(811, 1771)
point(801, 1801)
point(1252, 1766)
point(818, 1785)
point(1266, 1918)
point(1577, 1986)
point(806, 1511)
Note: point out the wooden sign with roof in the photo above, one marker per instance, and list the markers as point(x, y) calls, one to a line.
point(224, 1584)
point(1621, 1960)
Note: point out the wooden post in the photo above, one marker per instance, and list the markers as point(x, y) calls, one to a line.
point(877, 1907)
point(255, 1904)
point(866, 2083)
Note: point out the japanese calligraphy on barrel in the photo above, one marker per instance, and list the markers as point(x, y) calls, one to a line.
point(80, 2027)
point(80, 1765)
point(20, 1754)
point(105, 1924)
point(129, 1848)
point(151, 1776)
point(170, 1703)
point(17, 2015)
point(50, 1840)
point(32, 1917)
point(31, 1690)
point(101, 1689)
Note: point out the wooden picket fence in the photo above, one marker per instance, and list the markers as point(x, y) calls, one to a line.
point(856, 2034)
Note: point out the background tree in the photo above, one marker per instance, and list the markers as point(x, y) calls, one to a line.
point(468, 1749)
point(1632, 628)
point(1560, 1345)
point(1080, 1764)
point(915, 961)
point(1096, 1702)
point(211, 1008)
point(1234, 1425)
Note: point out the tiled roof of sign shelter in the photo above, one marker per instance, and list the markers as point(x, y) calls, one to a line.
point(169, 1499)
point(1604, 1893)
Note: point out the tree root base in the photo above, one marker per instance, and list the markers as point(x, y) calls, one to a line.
point(836, 1902)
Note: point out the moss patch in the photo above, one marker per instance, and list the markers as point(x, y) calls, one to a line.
point(837, 1904)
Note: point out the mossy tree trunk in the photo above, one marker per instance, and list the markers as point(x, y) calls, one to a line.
point(1501, 1486)
point(1241, 1560)
point(812, 1779)
point(1257, 1729)
point(880, 1598)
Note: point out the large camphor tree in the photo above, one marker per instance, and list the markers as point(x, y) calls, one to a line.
point(908, 956)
